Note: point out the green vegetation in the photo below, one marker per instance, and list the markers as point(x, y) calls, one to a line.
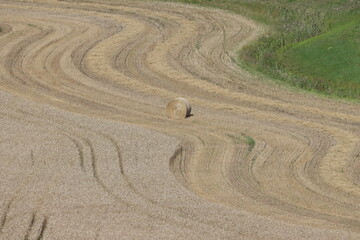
point(243, 139)
point(331, 61)
point(296, 49)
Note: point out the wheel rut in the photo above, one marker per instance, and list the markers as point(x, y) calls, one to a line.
point(83, 90)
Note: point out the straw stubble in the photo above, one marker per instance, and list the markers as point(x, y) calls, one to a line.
point(87, 150)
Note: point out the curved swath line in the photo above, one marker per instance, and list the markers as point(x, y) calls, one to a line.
point(62, 131)
point(40, 231)
point(56, 92)
point(61, 92)
point(94, 164)
point(44, 86)
point(4, 216)
point(314, 163)
point(258, 196)
point(95, 174)
point(326, 197)
point(80, 152)
point(16, 57)
point(32, 221)
point(118, 198)
point(137, 70)
point(93, 159)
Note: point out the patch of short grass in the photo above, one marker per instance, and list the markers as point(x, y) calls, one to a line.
point(331, 60)
point(292, 22)
point(317, 51)
point(243, 139)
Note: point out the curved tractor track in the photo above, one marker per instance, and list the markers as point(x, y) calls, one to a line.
point(87, 152)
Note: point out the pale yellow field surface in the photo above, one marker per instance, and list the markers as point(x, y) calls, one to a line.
point(87, 151)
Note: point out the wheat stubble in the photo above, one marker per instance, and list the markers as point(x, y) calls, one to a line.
point(87, 151)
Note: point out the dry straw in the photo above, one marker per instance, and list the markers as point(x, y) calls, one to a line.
point(178, 108)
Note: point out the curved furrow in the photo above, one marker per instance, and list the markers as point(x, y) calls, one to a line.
point(84, 86)
point(106, 181)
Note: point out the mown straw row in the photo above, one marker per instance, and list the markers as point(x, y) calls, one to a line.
point(88, 152)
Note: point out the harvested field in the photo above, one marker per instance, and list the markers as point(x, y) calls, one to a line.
point(87, 151)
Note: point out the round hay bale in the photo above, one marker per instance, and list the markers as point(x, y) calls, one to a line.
point(178, 108)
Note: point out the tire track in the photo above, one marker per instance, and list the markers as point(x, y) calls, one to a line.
point(61, 130)
point(121, 62)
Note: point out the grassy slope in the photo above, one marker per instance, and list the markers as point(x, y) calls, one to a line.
point(331, 60)
point(333, 56)
point(306, 62)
